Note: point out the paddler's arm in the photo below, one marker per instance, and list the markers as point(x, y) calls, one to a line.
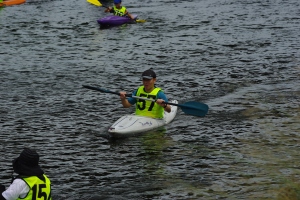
point(166, 107)
point(129, 15)
point(124, 100)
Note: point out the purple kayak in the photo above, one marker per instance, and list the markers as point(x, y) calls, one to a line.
point(114, 20)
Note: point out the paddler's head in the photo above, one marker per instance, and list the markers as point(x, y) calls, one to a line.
point(27, 163)
point(149, 79)
point(117, 3)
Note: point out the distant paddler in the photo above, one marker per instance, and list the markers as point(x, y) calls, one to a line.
point(119, 10)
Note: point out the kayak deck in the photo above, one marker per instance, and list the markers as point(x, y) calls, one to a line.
point(132, 124)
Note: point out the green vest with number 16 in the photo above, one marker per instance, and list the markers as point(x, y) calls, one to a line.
point(148, 108)
point(39, 190)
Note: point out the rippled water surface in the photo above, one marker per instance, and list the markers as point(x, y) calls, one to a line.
point(239, 57)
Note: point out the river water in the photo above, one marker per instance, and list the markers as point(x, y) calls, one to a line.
point(239, 57)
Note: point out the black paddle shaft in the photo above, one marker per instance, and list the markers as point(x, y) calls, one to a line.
point(103, 90)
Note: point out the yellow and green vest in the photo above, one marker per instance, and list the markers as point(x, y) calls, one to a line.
point(148, 108)
point(119, 12)
point(39, 190)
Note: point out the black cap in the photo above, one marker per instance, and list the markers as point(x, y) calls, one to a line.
point(149, 74)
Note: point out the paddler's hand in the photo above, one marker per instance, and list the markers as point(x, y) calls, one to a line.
point(122, 95)
point(108, 9)
point(124, 100)
point(162, 103)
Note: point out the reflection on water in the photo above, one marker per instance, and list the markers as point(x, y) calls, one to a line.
point(239, 57)
point(153, 144)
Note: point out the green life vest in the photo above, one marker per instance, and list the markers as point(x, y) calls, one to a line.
point(39, 190)
point(119, 12)
point(148, 108)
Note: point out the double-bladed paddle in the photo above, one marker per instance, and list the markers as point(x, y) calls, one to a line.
point(189, 108)
point(98, 3)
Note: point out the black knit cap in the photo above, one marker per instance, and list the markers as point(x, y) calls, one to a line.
point(149, 74)
point(28, 163)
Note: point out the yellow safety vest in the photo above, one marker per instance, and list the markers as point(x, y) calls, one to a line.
point(119, 12)
point(39, 190)
point(148, 108)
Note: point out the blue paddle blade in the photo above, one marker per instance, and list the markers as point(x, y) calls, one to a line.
point(194, 108)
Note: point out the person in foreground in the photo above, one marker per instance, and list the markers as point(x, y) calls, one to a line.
point(31, 182)
point(119, 10)
point(147, 90)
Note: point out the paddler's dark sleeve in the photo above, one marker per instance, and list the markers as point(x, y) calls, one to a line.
point(131, 100)
point(161, 95)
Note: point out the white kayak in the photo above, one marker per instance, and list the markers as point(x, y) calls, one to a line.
point(132, 124)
